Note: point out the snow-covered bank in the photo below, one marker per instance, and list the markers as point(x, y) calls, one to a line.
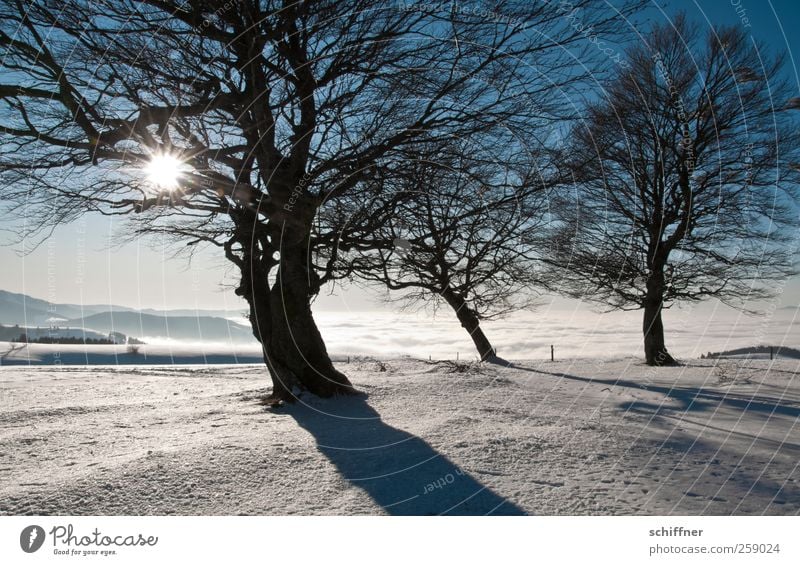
point(611, 437)
point(176, 353)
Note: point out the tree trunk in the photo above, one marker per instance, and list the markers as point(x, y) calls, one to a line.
point(470, 322)
point(297, 357)
point(655, 350)
point(282, 322)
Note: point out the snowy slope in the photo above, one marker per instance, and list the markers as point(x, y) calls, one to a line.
point(175, 353)
point(611, 437)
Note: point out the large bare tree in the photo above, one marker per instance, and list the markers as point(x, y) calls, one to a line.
point(274, 109)
point(683, 179)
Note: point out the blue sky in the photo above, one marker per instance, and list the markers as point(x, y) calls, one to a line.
point(82, 263)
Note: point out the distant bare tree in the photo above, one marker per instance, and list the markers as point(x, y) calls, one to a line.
point(683, 179)
point(460, 231)
point(275, 109)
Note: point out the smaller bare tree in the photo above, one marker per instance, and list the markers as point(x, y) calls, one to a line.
point(456, 231)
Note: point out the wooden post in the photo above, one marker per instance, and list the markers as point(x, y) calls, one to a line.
point(456, 355)
point(770, 353)
point(552, 354)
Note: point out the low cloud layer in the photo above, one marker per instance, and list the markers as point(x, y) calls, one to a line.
point(689, 332)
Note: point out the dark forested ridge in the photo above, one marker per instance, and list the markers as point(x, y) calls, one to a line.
point(759, 350)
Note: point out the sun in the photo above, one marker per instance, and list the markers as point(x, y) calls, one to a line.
point(164, 171)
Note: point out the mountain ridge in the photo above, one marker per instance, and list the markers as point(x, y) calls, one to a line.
point(180, 324)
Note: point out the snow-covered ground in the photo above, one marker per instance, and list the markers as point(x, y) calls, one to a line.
point(583, 437)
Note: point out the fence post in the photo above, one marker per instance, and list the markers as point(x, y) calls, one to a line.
point(552, 354)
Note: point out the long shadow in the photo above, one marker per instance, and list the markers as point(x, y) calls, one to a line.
point(741, 483)
point(400, 471)
point(775, 497)
point(691, 399)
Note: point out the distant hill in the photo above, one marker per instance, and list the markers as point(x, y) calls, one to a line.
point(25, 310)
point(191, 313)
point(185, 328)
point(13, 333)
point(758, 351)
point(184, 325)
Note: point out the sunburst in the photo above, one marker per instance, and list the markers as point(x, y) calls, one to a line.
point(165, 171)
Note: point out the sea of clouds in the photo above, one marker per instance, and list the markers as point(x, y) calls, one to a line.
point(574, 333)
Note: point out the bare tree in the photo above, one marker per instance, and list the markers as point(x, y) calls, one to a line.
point(683, 179)
point(274, 109)
point(459, 230)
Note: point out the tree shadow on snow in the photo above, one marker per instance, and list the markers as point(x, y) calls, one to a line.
point(690, 399)
point(400, 471)
point(728, 476)
point(744, 482)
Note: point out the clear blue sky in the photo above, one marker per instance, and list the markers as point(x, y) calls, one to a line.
point(82, 264)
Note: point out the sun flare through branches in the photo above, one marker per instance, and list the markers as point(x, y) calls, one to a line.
point(165, 171)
